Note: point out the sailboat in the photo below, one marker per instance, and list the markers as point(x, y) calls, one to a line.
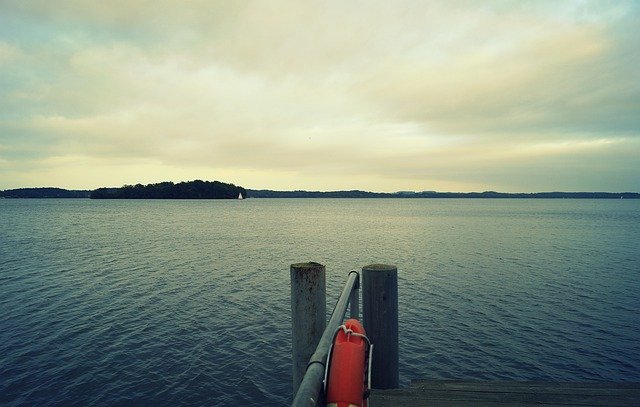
point(240, 195)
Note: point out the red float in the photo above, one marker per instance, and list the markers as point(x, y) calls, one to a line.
point(347, 383)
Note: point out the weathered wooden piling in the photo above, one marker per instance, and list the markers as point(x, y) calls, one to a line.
point(380, 317)
point(354, 302)
point(308, 314)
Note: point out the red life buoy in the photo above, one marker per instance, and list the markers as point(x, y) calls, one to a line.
point(346, 382)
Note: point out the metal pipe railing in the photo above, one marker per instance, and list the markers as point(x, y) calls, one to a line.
point(310, 390)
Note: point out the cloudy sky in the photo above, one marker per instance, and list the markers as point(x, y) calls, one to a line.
point(321, 95)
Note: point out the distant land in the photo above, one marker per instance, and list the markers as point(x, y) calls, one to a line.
point(218, 190)
point(44, 193)
point(197, 189)
point(264, 193)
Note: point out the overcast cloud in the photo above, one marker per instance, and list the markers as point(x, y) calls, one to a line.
point(384, 96)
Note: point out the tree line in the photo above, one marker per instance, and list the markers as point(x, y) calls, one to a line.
point(197, 189)
point(43, 193)
point(264, 193)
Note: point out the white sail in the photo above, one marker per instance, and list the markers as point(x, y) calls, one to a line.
point(240, 195)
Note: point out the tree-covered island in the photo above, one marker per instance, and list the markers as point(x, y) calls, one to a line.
point(168, 190)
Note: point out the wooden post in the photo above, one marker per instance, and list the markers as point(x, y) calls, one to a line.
point(308, 314)
point(380, 318)
point(354, 304)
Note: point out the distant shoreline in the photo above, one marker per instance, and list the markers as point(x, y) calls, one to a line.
point(442, 195)
point(29, 193)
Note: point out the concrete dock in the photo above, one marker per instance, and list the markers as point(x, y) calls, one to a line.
point(469, 393)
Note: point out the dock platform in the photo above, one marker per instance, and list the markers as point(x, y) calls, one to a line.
point(440, 393)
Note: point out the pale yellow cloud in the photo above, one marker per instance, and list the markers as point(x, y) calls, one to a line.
point(504, 86)
point(9, 53)
point(355, 95)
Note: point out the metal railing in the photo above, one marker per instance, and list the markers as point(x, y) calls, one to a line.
point(310, 391)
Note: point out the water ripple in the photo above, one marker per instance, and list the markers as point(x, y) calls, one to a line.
point(187, 303)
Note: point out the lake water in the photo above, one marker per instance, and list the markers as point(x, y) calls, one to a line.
point(187, 302)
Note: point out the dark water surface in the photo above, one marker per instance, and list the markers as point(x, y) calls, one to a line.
point(187, 302)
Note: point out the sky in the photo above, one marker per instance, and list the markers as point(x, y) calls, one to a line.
point(510, 96)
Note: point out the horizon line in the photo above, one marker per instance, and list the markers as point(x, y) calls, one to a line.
point(353, 190)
